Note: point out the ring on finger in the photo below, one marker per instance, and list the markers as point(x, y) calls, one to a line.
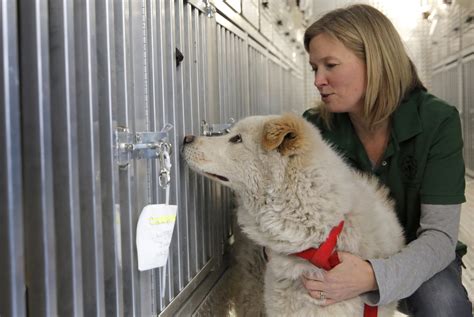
point(322, 296)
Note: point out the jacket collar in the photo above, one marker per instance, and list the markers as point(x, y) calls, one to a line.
point(406, 123)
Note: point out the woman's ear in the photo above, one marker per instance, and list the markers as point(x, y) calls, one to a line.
point(285, 134)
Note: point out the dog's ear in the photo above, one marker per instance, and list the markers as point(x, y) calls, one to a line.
point(284, 134)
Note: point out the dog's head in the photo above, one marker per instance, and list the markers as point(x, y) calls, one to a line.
point(280, 168)
point(256, 152)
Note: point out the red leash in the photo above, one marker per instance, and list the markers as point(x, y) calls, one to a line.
point(326, 258)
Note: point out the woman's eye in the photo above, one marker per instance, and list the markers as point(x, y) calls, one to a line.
point(330, 65)
point(236, 139)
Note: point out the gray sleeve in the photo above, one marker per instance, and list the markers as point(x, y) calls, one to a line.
point(400, 275)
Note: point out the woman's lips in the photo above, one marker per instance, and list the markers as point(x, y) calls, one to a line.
point(325, 97)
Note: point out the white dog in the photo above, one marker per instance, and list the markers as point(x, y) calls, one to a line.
point(292, 190)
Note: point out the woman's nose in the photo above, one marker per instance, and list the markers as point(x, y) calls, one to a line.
point(320, 80)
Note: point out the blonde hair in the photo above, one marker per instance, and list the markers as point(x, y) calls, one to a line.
point(366, 31)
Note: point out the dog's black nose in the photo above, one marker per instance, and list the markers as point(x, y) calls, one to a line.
point(188, 139)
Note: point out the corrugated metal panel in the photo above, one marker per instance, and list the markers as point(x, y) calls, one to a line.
point(65, 159)
point(452, 83)
point(437, 83)
point(91, 216)
point(12, 269)
point(277, 90)
point(468, 113)
point(232, 61)
point(259, 81)
point(190, 94)
point(89, 68)
point(40, 247)
point(129, 48)
point(297, 103)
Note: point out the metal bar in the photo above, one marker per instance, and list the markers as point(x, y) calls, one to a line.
point(273, 91)
point(222, 87)
point(199, 285)
point(211, 67)
point(229, 59)
point(204, 71)
point(105, 32)
point(234, 104)
point(201, 114)
point(197, 5)
point(173, 279)
point(89, 158)
point(157, 96)
point(182, 243)
point(162, 87)
point(141, 172)
point(157, 78)
point(254, 71)
point(237, 97)
point(40, 248)
point(65, 159)
point(250, 75)
point(186, 128)
point(221, 20)
point(245, 62)
point(265, 92)
point(128, 215)
point(468, 75)
point(195, 181)
point(208, 112)
point(12, 266)
point(221, 61)
point(282, 82)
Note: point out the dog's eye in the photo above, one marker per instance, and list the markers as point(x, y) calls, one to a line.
point(236, 139)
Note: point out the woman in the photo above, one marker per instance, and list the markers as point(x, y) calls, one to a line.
point(376, 111)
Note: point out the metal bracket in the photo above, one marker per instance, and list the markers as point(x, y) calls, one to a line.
point(209, 8)
point(140, 145)
point(216, 129)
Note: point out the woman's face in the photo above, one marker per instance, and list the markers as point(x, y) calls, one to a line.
point(339, 74)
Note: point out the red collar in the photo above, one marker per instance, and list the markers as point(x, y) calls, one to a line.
point(325, 257)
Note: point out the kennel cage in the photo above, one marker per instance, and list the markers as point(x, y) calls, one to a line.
point(79, 80)
point(76, 74)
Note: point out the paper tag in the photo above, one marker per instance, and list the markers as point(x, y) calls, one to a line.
point(154, 231)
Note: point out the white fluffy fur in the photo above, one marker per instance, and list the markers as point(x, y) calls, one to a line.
point(288, 202)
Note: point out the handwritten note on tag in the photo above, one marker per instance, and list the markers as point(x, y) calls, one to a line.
point(154, 231)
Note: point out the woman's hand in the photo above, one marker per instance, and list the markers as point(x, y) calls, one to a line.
point(350, 278)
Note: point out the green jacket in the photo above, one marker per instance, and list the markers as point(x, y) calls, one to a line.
point(423, 162)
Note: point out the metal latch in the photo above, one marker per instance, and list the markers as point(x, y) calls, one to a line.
point(208, 129)
point(208, 7)
point(140, 145)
